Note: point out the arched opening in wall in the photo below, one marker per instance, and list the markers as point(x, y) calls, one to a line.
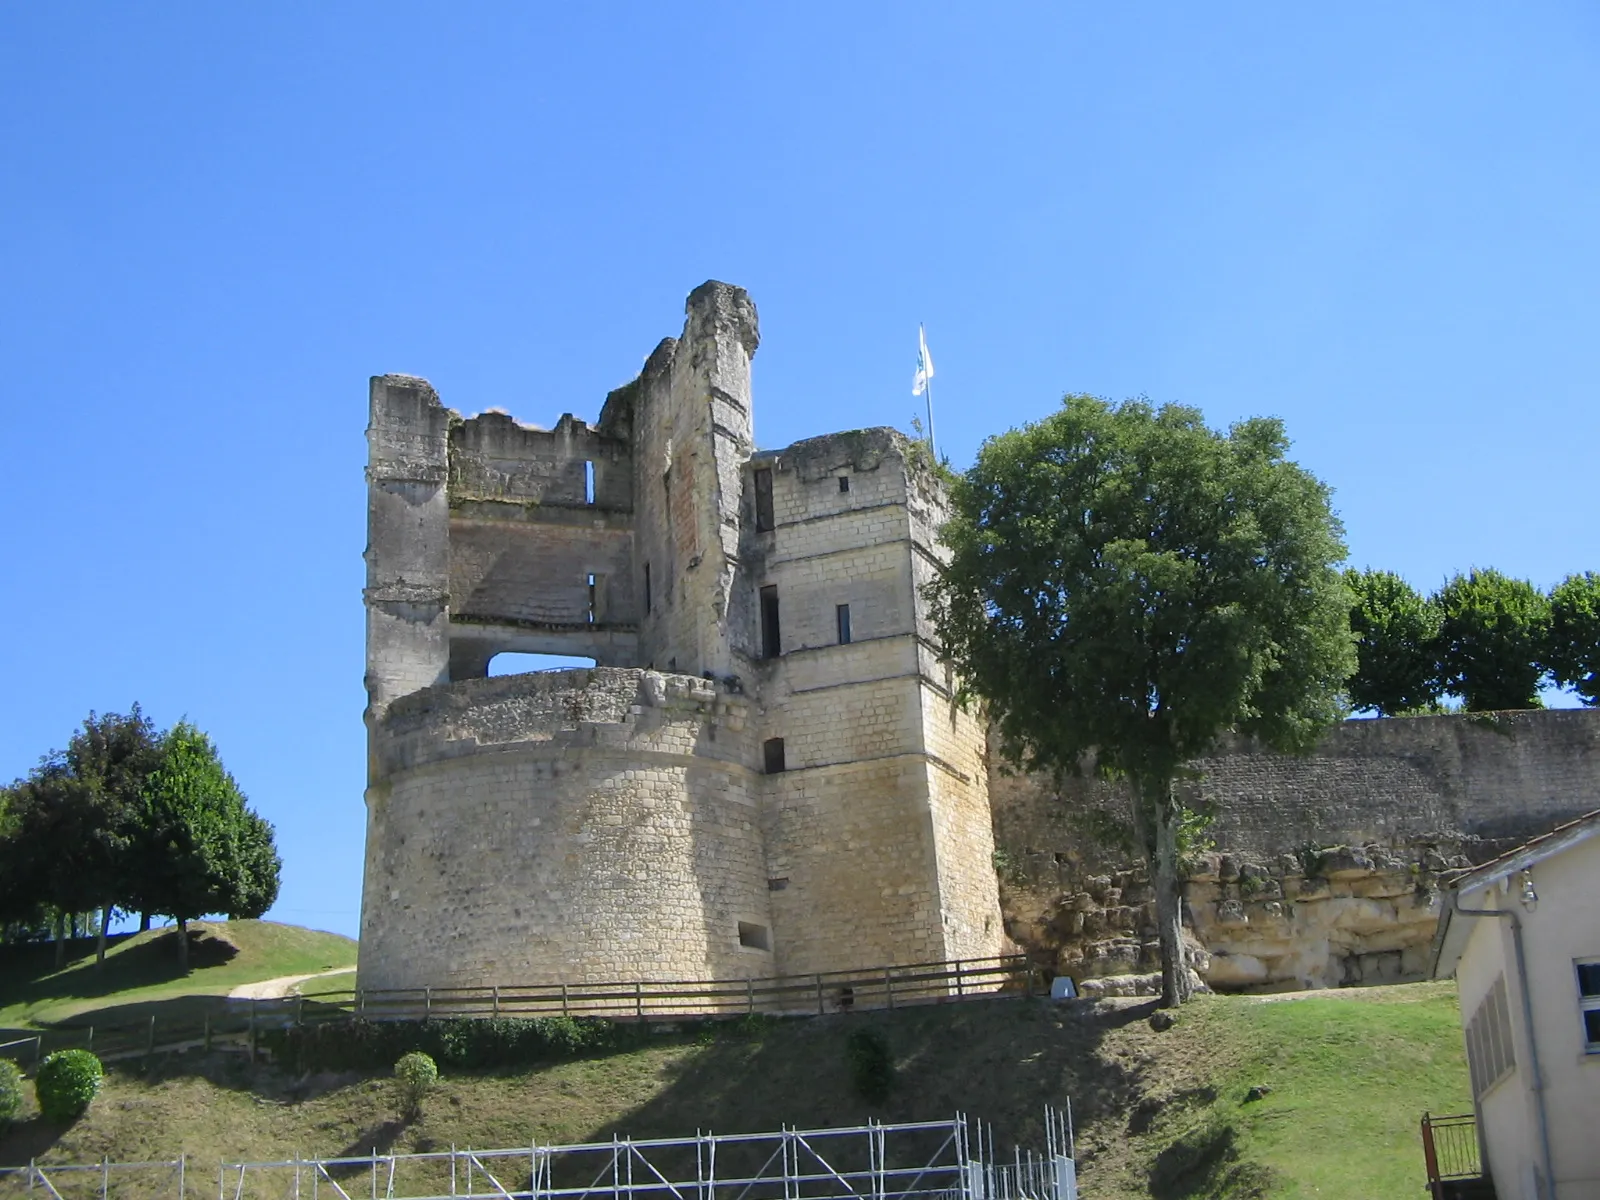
point(521, 664)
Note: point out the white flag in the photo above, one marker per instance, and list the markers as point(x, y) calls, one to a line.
point(919, 382)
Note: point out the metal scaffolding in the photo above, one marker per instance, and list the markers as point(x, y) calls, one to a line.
point(920, 1160)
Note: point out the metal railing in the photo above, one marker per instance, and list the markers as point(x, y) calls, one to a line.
point(235, 1024)
point(1450, 1150)
point(922, 1160)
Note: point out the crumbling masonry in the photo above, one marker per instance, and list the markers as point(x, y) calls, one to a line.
point(764, 773)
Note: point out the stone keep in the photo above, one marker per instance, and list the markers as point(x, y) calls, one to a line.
point(764, 774)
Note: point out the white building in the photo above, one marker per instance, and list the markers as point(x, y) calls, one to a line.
point(1521, 935)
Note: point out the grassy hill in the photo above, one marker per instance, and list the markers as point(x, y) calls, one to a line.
point(141, 973)
point(1160, 1114)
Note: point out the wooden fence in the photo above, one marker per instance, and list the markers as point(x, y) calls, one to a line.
point(236, 1024)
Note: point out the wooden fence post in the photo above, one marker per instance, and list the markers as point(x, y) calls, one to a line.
point(564, 1000)
point(749, 995)
point(888, 984)
point(497, 999)
point(819, 993)
point(427, 1004)
point(638, 1000)
point(960, 988)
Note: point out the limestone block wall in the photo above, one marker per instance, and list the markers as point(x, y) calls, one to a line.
point(587, 825)
point(1325, 866)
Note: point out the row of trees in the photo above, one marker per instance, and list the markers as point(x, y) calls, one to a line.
point(1126, 585)
point(135, 819)
point(1485, 637)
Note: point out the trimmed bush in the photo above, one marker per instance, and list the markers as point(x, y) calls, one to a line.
point(10, 1091)
point(66, 1083)
point(871, 1064)
point(415, 1074)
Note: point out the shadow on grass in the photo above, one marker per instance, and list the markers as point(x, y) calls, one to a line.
point(31, 978)
point(1205, 1164)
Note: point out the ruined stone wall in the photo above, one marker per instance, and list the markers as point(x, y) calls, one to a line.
point(588, 825)
point(1324, 867)
point(560, 827)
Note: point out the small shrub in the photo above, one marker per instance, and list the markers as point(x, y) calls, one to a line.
point(10, 1091)
point(415, 1075)
point(871, 1064)
point(66, 1083)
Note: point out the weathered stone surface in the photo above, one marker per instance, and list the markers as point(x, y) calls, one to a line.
point(631, 821)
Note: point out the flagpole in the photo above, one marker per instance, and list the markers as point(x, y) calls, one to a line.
point(927, 388)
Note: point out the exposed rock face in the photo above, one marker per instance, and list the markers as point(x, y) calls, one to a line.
point(1326, 866)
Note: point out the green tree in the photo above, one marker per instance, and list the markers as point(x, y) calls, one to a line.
point(1573, 655)
point(1397, 644)
point(204, 850)
point(1127, 583)
point(1493, 640)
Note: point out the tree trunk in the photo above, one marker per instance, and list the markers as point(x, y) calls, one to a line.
point(183, 945)
point(144, 922)
point(100, 942)
point(1175, 985)
point(61, 939)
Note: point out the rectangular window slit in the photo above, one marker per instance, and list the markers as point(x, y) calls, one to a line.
point(778, 885)
point(647, 587)
point(772, 756)
point(591, 599)
point(763, 479)
point(588, 482)
point(771, 643)
point(841, 615)
point(844, 483)
point(754, 937)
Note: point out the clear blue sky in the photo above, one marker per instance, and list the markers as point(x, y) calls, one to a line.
point(1378, 222)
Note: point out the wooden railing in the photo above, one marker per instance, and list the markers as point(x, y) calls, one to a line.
point(819, 992)
point(236, 1023)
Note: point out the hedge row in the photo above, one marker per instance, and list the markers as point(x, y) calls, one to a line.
point(459, 1042)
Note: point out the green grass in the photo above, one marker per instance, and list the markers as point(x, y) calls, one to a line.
point(1159, 1114)
point(1350, 1073)
point(141, 974)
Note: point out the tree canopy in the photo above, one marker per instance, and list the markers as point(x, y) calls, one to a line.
point(1397, 635)
point(1493, 638)
point(1573, 652)
point(127, 817)
point(1128, 583)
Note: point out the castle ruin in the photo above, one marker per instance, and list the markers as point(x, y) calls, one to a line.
point(765, 772)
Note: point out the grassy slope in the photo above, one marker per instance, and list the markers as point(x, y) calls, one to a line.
point(1350, 1074)
point(141, 972)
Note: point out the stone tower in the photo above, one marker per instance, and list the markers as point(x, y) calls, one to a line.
point(765, 773)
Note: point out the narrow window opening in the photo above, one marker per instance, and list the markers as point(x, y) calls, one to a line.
point(841, 614)
point(764, 499)
point(591, 599)
point(588, 482)
point(754, 937)
point(770, 642)
point(778, 885)
point(844, 483)
point(772, 756)
point(647, 607)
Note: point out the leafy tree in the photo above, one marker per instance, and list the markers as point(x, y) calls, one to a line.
point(1127, 583)
point(205, 851)
point(1397, 635)
point(1493, 640)
point(1573, 655)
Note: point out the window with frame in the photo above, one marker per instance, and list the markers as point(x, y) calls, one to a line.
point(1589, 1003)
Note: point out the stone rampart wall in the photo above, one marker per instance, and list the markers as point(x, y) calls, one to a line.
point(581, 825)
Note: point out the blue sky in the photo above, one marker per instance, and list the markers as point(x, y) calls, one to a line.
point(1377, 222)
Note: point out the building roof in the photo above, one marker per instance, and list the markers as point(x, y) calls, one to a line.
point(1455, 925)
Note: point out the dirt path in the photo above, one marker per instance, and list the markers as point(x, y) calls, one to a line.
point(284, 985)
